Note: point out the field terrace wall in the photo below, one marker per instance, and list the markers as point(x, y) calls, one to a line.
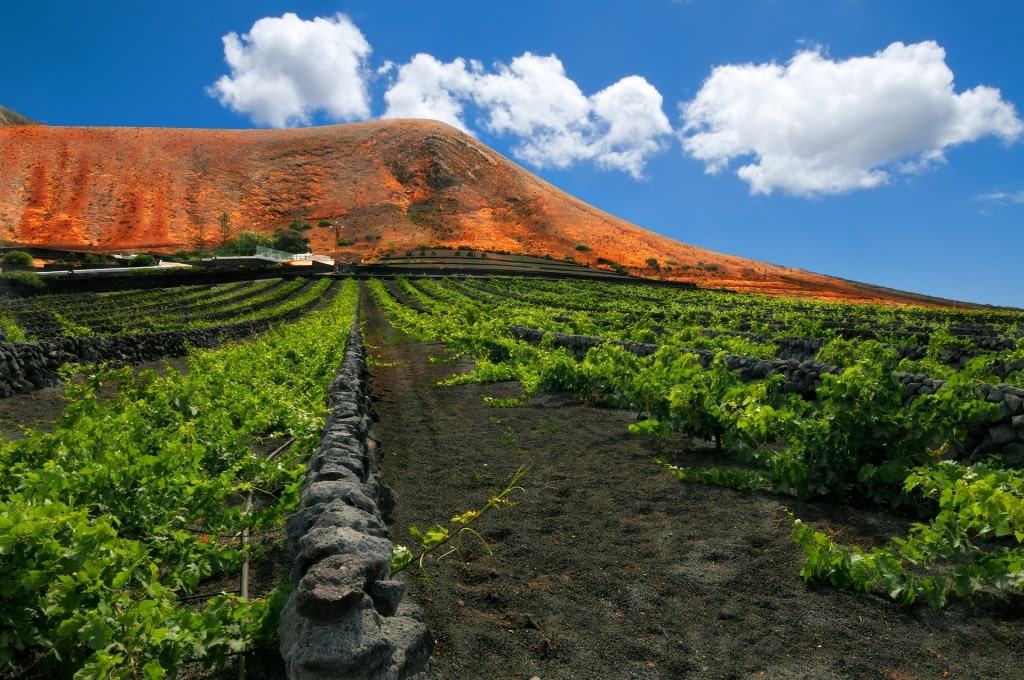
point(29, 366)
point(345, 617)
point(1003, 436)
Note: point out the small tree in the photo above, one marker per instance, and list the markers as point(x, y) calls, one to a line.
point(142, 260)
point(225, 230)
point(290, 240)
point(248, 241)
point(199, 237)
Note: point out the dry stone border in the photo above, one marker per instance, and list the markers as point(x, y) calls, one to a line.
point(346, 618)
point(29, 366)
point(1003, 436)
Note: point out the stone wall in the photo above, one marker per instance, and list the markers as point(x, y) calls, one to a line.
point(1003, 436)
point(346, 617)
point(28, 366)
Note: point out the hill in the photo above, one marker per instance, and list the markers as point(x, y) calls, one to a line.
point(379, 188)
point(8, 117)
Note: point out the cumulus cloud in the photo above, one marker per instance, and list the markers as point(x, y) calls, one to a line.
point(428, 88)
point(286, 68)
point(818, 126)
point(532, 99)
point(618, 128)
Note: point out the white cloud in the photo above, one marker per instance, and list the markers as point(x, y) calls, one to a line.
point(532, 94)
point(632, 123)
point(1003, 197)
point(818, 126)
point(618, 128)
point(428, 88)
point(285, 68)
point(532, 99)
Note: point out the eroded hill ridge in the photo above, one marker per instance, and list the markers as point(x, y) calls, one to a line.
point(382, 186)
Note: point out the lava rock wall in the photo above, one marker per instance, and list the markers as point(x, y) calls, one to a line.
point(28, 366)
point(345, 617)
point(1003, 436)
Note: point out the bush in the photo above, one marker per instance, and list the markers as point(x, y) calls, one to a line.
point(582, 247)
point(142, 260)
point(10, 329)
point(96, 258)
point(290, 240)
point(24, 280)
point(248, 241)
point(17, 258)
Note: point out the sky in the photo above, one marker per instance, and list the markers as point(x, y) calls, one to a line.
point(880, 141)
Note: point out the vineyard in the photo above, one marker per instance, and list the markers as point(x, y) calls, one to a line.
point(870, 450)
point(114, 520)
point(867, 406)
point(653, 443)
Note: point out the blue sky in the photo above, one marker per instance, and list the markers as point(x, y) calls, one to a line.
point(874, 140)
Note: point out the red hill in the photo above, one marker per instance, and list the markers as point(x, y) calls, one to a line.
point(391, 186)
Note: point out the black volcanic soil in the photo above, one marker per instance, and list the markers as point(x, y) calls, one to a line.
point(609, 567)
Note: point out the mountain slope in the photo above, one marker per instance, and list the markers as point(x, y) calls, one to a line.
point(8, 117)
point(389, 186)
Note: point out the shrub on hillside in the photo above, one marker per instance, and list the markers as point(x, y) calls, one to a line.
point(17, 258)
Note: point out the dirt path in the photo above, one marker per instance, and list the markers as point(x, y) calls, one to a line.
point(611, 568)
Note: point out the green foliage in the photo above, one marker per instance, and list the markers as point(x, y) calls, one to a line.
point(945, 557)
point(582, 247)
point(845, 353)
point(97, 258)
point(17, 258)
point(859, 443)
point(70, 329)
point(143, 260)
point(743, 479)
point(248, 241)
point(620, 268)
point(12, 332)
point(108, 521)
point(28, 281)
point(860, 440)
point(290, 240)
point(607, 373)
point(460, 525)
point(681, 396)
